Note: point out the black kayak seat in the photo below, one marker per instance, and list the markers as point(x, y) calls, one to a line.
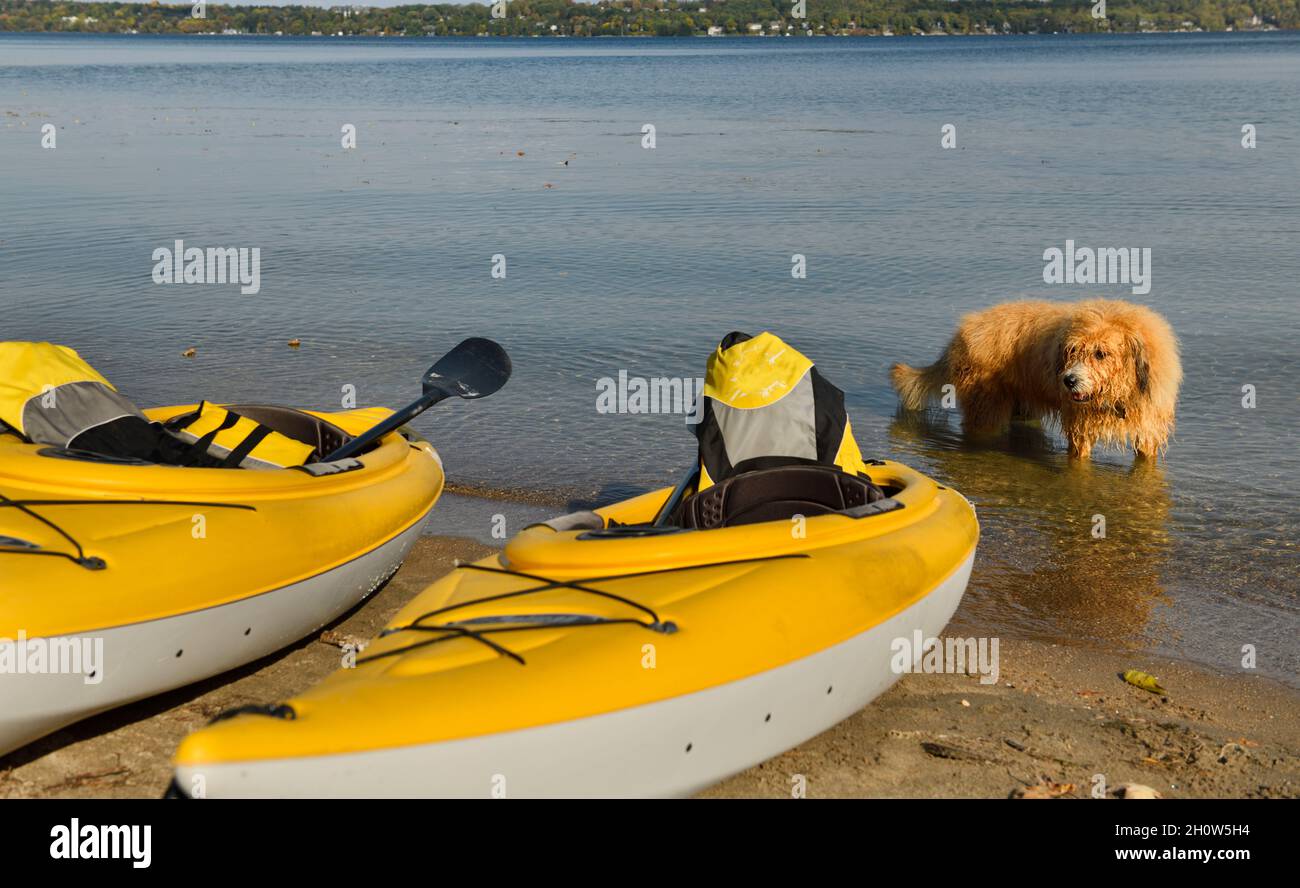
point(776, 494)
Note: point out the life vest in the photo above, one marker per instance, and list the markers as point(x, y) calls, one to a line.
point(237, 440)
point(765, 405)
point(49, 395)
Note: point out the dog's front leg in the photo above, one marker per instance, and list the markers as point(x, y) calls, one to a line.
point(1145, 451)
point(1080, 446)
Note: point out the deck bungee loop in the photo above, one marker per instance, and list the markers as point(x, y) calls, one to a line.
point(10, 545)
point(463, 628)
point(23, 547)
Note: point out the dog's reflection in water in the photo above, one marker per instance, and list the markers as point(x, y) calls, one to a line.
point(1066, 549)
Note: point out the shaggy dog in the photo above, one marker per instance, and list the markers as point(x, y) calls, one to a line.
point(1107, 370)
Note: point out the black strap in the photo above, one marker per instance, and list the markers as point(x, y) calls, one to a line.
point(199, 448)
point(176, 423)
point(6, 427)
point(245, 447)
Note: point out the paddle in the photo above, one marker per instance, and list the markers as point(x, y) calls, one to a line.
point(474, 369)
point(670, 504)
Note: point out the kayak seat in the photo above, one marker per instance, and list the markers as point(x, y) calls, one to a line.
point(777, 494)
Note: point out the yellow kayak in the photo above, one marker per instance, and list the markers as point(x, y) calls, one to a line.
point(614, 658)
point(120, 579)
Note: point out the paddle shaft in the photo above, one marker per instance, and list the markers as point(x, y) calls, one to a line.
point(396, 421)
point(670, 504)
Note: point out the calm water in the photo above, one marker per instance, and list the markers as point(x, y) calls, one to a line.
point(378, 259)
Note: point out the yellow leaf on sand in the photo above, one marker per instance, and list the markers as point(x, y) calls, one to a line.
point(1145, 682)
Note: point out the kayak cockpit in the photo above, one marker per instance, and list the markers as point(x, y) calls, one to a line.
point(624, 535)
point(774, 494)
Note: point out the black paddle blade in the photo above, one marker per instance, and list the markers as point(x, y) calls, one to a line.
point(474, 369)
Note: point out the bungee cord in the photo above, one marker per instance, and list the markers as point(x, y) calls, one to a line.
point(466, 628)
point(23, 547)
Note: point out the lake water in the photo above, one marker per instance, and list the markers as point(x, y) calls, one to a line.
point(628, 258)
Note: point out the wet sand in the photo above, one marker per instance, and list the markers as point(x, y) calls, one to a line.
point(1057, 717)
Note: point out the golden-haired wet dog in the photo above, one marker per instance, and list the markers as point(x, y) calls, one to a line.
point(1107, 370)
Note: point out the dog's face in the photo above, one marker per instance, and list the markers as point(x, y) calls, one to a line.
point(1101, 362)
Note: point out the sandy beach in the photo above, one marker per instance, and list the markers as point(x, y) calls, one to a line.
point(1057, 717)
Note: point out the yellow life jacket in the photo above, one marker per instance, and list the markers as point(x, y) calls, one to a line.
point(765, 405)
point(236, 439)
point(49, 395)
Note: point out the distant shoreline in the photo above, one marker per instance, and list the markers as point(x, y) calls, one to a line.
point(669, 18)
point(856, 36)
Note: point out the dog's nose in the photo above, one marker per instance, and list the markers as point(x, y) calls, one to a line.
point(1070, 381)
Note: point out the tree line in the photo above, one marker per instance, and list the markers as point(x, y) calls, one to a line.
point(659, 17)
